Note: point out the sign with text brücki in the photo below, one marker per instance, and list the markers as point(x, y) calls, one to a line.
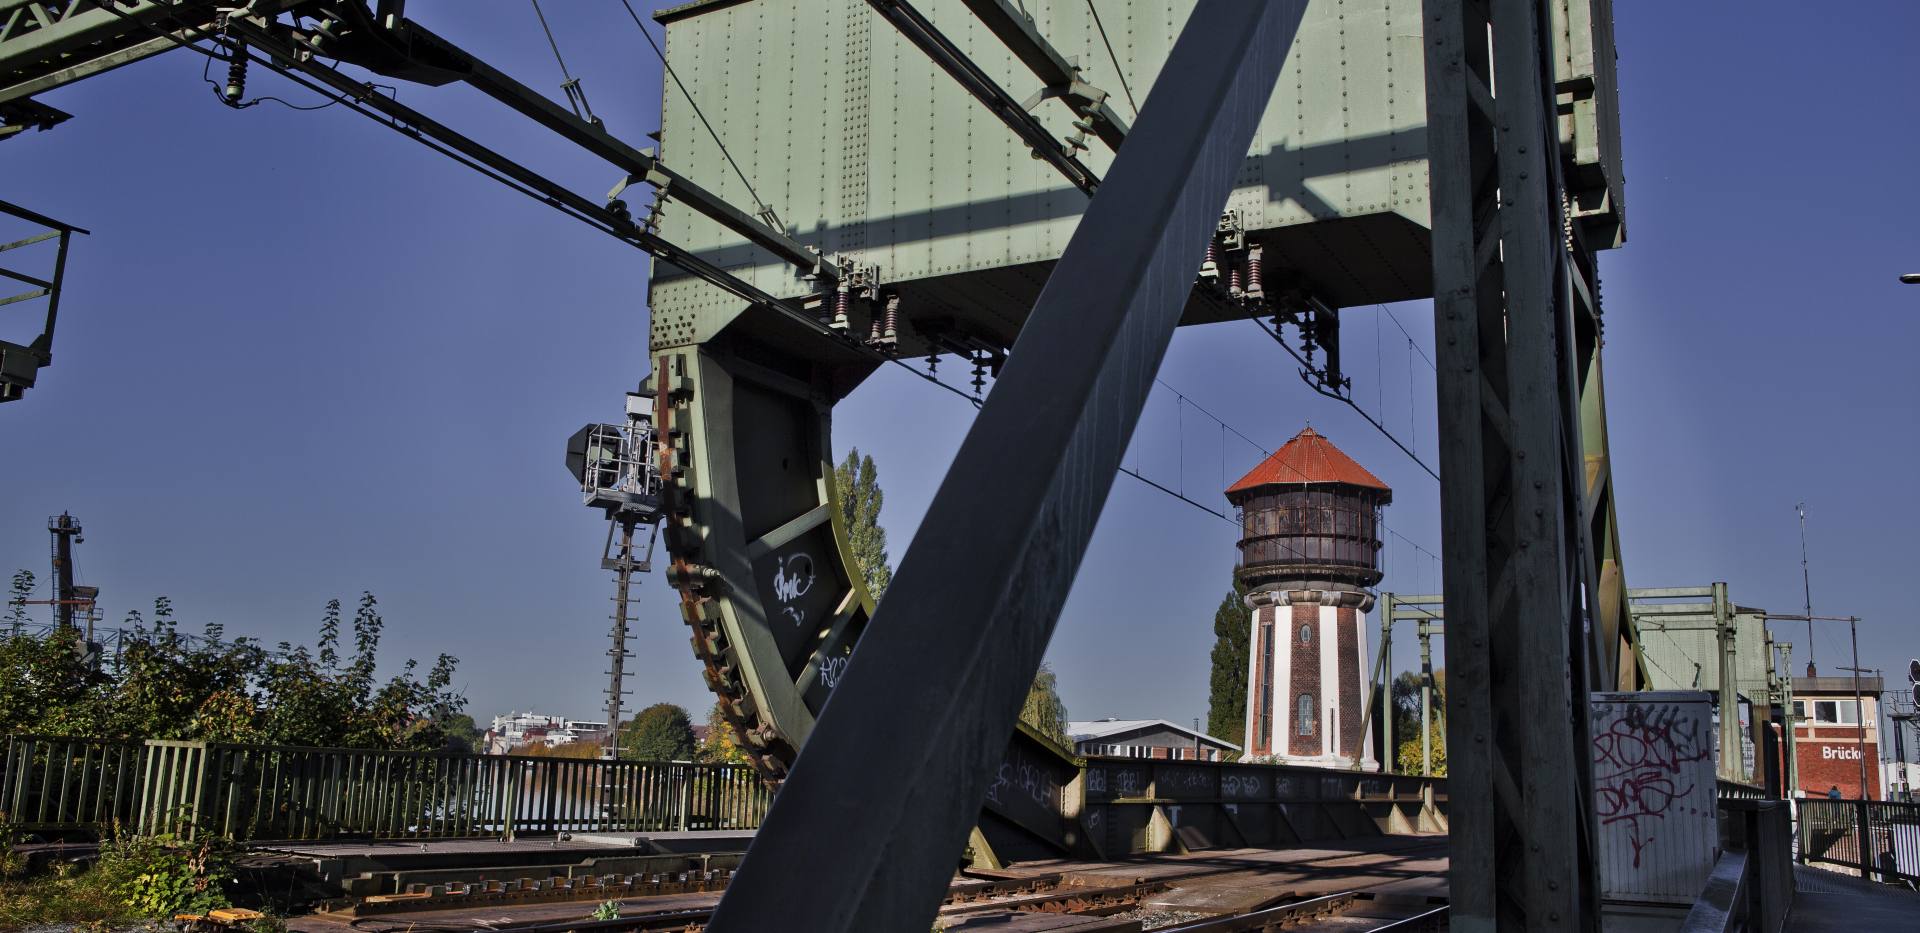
point(1826, 764)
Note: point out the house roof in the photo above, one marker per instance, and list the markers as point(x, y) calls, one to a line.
point(1101, 728)
point(1308, 458)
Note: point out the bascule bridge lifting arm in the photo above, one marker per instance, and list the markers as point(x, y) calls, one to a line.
point(45, 45)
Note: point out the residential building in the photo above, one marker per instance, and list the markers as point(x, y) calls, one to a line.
point(1146, 738)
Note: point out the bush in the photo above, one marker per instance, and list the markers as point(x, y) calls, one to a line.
point(160, 876)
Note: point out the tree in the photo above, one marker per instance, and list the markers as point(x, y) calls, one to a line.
point(168, 685)
point(719, 747)
point(1043, 709)
point(1227, 693)
point(860, 499)
point(661, 732)
point(1406, 721)
point(22, 590)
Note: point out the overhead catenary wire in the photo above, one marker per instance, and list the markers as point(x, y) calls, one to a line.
point(407, 129)
point(1349, 402)
point(766, 211)
point(416, 135)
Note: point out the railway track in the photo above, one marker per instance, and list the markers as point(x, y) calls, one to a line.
point(1347, 912)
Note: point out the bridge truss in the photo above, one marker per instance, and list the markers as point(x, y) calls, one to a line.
point(1534, 594)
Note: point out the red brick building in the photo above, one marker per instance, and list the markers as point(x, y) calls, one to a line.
point(1828, 736)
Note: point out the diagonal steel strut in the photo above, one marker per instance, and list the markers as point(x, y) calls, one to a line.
point(866, 831)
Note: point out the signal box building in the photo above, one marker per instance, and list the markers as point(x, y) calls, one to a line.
point(1828, 746)
point(1309, 551)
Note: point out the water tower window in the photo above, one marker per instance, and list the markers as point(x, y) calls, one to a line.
point(1305, 716)
point(1306, 633)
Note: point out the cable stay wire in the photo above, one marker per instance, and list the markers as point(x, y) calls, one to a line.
point(412, 132)
point(576, 95)
point(766, 211)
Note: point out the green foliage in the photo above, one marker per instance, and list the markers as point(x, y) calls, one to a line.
point(1043, 709)
point(860, 498)
point(159, 876)
point(720, 746)
point(463, 734)
point(1227, 684)
point(661, 732)
point(1406, 721)
point(17, 596)
point(1408, 755)
point(608, 910)
point(167, 685)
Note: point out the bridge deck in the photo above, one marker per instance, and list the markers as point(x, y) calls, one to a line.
point(1830, 902)
point(1209, 882)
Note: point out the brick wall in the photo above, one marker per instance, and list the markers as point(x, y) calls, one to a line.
point(1829, 762)
point(1305, 669)
point(1347, 630)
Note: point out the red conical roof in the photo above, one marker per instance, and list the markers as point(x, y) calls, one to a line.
point(1308, 458)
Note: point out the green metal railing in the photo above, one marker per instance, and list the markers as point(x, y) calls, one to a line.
point(49, 783)
point(277, 792)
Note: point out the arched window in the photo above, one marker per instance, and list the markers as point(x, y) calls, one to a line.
point(1306, 633)
point(1305, 715)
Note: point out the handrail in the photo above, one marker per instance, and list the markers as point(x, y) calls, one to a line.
point(291, 792)
point(1722, 906)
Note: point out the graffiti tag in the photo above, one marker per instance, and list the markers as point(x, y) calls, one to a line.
point(792, 578)
point(1637, 773)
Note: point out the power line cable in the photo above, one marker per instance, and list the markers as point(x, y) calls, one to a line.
point(766, 212)
point(1336, 396)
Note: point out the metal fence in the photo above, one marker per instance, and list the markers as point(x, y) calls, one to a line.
point(1831, 832)
point(52, 784)
point(277, 792)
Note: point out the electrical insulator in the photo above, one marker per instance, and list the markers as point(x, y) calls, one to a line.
point(1235, 279)
point(841, 301)
point(891, 333)
point(1256, 285)
point(236, 88)
point(979, 373)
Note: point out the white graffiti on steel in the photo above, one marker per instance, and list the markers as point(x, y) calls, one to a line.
point(1185, 780)
point(1096, 780)
point(832, 669)
point(1025, 778)
point(792, 578)
point(1240, 785)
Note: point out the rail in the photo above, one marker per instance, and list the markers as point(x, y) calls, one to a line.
point(60, 783)
point(257, 792)
point(1831, 833)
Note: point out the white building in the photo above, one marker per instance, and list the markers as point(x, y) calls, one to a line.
point(517, 729)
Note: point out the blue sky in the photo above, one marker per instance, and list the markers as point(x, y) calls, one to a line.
point(301, 357)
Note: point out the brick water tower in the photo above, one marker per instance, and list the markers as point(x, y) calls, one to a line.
point(1309, 551)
